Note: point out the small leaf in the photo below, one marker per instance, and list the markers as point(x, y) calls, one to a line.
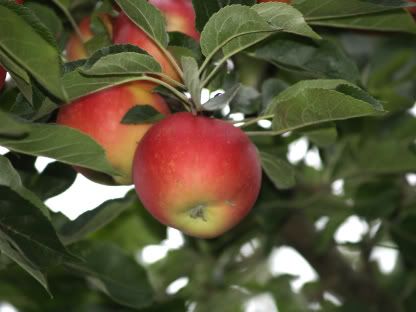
point(233, 29)
point(278, 170)
point(222, 100)
point(191, 78)
point(115, 274)
point(142, 114)
point(147, 17)
point(285, 17)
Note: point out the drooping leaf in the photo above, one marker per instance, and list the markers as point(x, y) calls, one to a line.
point(278, 170)
point(115, 274)
point(62, 143)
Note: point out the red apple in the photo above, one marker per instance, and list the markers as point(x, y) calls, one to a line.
point(125, 31)
point(19, 1)
point(197, 174)
point(2, 77)
point(179, 15)
point(75, 49)
point(99, 115)
point(412, 9)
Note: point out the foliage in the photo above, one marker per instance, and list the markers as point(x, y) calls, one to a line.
point(341, 74)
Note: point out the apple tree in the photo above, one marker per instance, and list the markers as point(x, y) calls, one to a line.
point(199, 105)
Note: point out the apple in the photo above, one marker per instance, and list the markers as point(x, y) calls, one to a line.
point(179, 15)
point(99, 115)
point(75, 48)
point(412, 9)
point(126, 32)
point(2, 77)
point(197, 174)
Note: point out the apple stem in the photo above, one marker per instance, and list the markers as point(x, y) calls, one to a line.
point(180, 95)
point(251, 121)
point(71, 20)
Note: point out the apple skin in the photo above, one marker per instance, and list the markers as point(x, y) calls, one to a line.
point(126, 32)
point(413, 9)
point(197, 174)
point(2, 77)
point(75, 49)
point(99, 115)
point(179, 15)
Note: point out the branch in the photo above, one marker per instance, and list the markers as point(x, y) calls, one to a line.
point(335, 272)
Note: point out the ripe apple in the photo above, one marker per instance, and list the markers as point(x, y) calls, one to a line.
point(125, 31)
point(2, 77)
point(75, 49)
point(179, 15)
point(412, 9)
point(99, 115)
point(197, 174)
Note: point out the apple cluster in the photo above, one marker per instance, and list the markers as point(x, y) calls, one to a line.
point(198, 174)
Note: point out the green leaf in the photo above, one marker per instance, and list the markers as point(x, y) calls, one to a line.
point(47, 16)
point(285, 17)
point(205, 9)
point(11, 127)
point(78, 85)
point(312, 102)
point(191, 78)
point(26, 234)
point(270, 89)
point(316, 9)
point(233, 29)
point(140, 114)
point(321, 59)
point(222, 100)
point(20, 32)
point(280, 172)
point(91, 221)
point(323, 135)
point(115, 274)
point(122, 64)
point(396, 21)
point(147, 17)
point(62, 143)
point(247, 100)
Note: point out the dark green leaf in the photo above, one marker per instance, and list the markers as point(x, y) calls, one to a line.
point(205, 9)
point(59, 142)
point(115, 274)
point(278, 170)
point(142, 114)
point(191, 78)
point(21, 31)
